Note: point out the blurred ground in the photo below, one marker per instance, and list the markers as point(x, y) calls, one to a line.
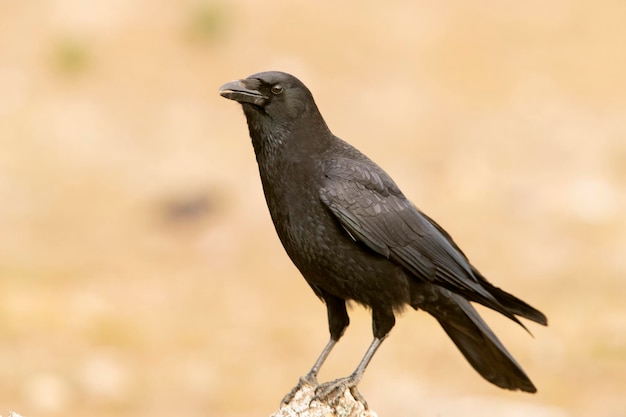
point(139, 271)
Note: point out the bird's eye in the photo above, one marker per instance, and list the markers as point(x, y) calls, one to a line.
point(277, 89)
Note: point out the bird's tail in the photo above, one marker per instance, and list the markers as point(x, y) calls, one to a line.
point(477, 342)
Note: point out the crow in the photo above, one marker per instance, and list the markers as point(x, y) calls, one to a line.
point(354, 236)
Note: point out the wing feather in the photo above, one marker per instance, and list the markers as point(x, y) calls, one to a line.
point(372, 209)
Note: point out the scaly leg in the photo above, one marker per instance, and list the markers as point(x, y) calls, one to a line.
point(331, 391)
point(311, 377)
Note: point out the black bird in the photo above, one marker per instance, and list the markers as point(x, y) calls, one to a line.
point(354, 236)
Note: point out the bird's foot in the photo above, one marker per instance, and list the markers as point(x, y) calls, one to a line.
point(310, 380)
point(331, 392)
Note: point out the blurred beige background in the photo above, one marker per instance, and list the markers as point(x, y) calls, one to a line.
point(139, 271)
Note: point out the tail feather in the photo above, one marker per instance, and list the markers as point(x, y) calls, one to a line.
point(477, 342)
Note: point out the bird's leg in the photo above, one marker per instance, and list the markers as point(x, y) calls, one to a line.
point(383, 321)
point(311, 377)
point(338, 320)
point(331, 391)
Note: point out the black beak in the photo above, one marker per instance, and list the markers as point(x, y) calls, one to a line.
point(237, 90)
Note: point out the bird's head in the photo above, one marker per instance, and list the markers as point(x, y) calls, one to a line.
point(273, 95)
point(280, 111)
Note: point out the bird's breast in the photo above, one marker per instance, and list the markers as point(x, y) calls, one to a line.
point(325, 254)
point(302, 222)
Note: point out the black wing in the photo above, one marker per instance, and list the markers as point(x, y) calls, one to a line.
point(373, 210)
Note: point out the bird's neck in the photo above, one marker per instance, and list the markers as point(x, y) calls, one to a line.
point(290, 155)
point(295, 141)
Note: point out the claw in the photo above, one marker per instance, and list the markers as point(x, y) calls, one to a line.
point(307, 380)
point(331, 392)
